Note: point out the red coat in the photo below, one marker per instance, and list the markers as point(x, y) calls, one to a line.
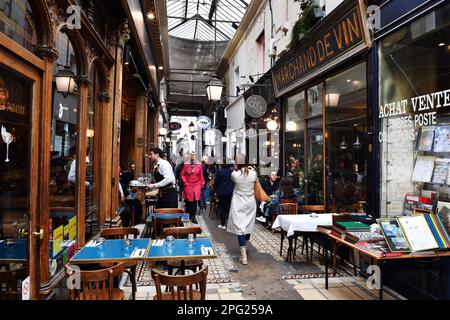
point(193, 181)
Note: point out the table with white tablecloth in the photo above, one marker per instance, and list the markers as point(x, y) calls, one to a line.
point(300, 223)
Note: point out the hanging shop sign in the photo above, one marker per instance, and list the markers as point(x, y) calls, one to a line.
point(339, 36)
point(174, 126)
point(203, 122)
point(256, 106)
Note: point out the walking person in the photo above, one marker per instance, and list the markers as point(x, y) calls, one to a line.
point(193, 182)
point(165, 181)
point(225, 188)
point(243, 205)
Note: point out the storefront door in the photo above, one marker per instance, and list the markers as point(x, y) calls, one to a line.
point(19, 125)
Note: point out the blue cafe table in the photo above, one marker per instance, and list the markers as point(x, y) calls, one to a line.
point(13, 250)
point(117, 251)
point(111, 251)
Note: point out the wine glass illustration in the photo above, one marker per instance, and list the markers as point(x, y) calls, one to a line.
point(7, 138)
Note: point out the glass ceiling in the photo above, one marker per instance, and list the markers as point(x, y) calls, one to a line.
point(205, 20)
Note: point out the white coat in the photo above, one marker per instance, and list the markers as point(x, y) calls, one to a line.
point(242, 216)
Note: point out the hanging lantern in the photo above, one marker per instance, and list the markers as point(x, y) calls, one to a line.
point(224, 139)
point(214, 89)
point(162, 131)
point(272, 125)
point(65, 81)
point(291, 126)
point(192, 127)
point(332, 96)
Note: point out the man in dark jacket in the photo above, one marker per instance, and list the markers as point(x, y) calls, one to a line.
point(224, 187)
point(271, 185)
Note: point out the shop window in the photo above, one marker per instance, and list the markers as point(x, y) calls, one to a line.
point(16, 93)
point(414, 116)
point(16, 22)
point(346, 147)
point(295, 138)
point(314, 175)
point(63, 173)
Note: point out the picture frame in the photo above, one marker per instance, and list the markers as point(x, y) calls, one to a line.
point(394, 235)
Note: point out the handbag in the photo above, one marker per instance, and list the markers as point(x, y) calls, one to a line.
point(260, 194)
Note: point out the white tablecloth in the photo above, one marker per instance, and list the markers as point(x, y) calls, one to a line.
point(302, 222)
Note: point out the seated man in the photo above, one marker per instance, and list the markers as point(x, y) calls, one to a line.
point(286, 191)
point(270, 187)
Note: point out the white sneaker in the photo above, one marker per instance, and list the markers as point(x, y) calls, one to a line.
point(220, 226)
point(261, 219)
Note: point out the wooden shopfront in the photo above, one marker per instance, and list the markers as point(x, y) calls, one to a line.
point(51, 202)
point(326, 115)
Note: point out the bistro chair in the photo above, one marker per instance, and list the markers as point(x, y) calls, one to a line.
point(286, 206)
point(169, 210)
point(97, 284)
point(309, 237)
point(159, 224)
point(124, 233)
point(11, 284)
point(181, 287)
point(182, 265)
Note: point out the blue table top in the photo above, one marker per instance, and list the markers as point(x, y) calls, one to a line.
point(184, 216)
point(181, 250)
point(16, 250)
point(110, 251)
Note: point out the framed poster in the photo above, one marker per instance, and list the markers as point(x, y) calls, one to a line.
point(393, 234)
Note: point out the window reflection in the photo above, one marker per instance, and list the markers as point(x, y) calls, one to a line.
point(346, 116)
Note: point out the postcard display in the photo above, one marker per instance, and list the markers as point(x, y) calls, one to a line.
point(416, 162)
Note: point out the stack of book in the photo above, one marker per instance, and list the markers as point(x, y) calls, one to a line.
point(341, 229)
point(355, 237)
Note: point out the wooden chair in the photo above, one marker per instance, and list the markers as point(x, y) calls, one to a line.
point(339, 217)
point(97, 284)
point(309, 237)
point(169, 210)
point(160, 224)
point(287, 206)
point(10, 284)
point(181, 286)
point(182, 265)
point(124, 233)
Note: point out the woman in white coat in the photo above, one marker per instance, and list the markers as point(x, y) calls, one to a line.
point(242, 216)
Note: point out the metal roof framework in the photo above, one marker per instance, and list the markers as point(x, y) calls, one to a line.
point(199, 32)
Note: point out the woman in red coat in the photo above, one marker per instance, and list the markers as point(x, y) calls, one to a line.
point(193, 182)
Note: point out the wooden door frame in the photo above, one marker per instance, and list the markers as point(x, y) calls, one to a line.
point(23, 62)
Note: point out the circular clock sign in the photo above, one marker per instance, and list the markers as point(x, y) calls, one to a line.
point(256, 106)
point(203, 122)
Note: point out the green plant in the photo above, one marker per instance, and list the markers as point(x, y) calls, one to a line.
point(303, 25)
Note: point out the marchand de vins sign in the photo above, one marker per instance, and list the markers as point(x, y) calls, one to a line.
point(338, 36)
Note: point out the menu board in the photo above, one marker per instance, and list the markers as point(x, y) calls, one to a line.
point(442, 139)
point(394, 235)
point(426, 138)
point(418, 233)
point(423, 169)
point(58, 238)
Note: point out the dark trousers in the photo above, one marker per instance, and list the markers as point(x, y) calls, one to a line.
point(243, 239)
point(224, 209)
point(191, 208)
point(168, 200)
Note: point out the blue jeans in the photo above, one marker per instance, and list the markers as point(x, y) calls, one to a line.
point(243, 239)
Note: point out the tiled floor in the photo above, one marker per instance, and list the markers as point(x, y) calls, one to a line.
point(224, 281)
